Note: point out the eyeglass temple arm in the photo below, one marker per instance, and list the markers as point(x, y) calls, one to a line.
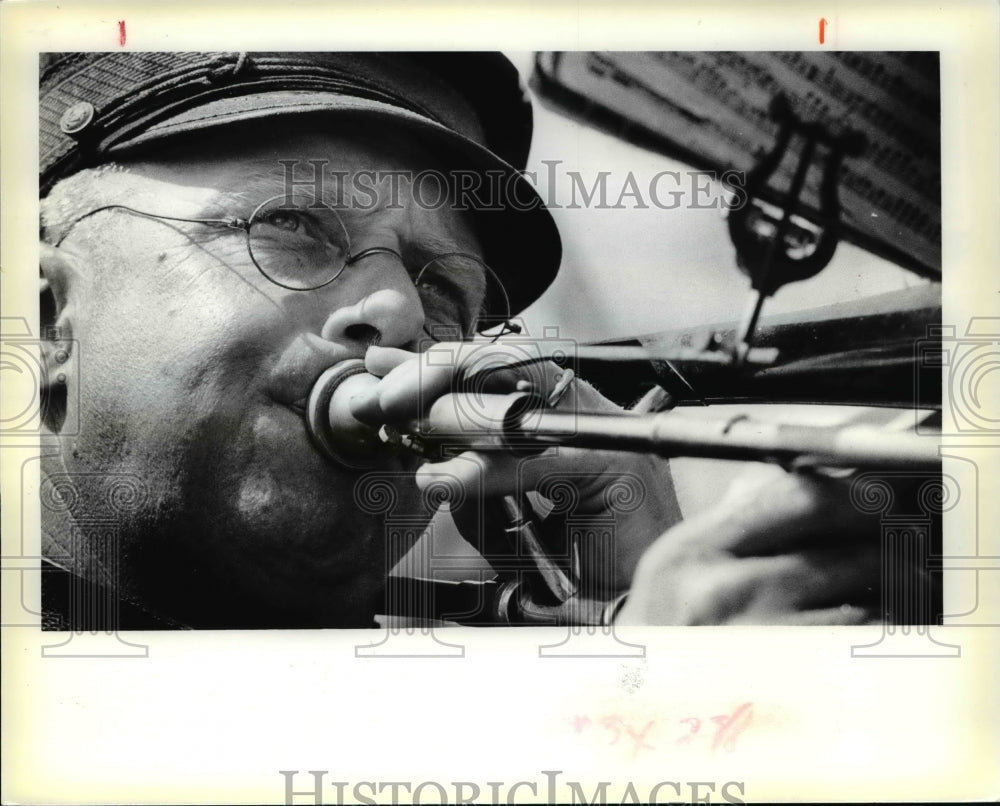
point(232, 222)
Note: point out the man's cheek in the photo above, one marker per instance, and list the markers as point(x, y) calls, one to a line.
point(277, 466)
point(257, 497)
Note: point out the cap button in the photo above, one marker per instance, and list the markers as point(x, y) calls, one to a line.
point(77, 117)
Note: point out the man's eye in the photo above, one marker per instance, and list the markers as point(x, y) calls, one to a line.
point(285, 220)
point(443, 304)
point(439, 286)
point(430, 284)
point(451, 288)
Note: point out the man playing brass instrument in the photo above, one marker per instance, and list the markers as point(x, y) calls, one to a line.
point(199, 294)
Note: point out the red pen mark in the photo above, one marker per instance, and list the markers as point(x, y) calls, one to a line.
point(822, 30)
point(616, 723)
point(728, 729)
point(121, 33)
point(694, 727)
point(639, 739)
point(731, 726)
point(612, 723)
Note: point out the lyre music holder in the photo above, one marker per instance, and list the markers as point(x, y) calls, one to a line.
point(782, 243)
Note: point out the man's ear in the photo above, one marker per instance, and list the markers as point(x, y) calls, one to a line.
point(59, 278)
point(58, 273)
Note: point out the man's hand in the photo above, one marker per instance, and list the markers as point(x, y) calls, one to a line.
point(780, 548)
point(410, 382)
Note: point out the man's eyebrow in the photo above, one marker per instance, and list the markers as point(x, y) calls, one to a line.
point(435, 244)
point(218, 205)
point(259, 183)
point(229, 203)
point(430, 246)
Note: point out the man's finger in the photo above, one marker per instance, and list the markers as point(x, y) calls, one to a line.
point(783, 510)
point(472, 475)
point(380, 361)
point(408, 389)
point(692, 582)
point(813, 580)
point(845, 615)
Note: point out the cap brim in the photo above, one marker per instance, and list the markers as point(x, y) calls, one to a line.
point(520, 240)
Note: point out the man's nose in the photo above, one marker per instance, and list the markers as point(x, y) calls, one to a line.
point(388, 313)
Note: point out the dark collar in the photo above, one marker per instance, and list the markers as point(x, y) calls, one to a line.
point(70, 602)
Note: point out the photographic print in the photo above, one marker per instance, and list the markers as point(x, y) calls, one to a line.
point(613, 401)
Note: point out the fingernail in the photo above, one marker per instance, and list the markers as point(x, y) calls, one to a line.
point(366, 407)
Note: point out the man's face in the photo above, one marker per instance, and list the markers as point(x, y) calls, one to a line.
point(194, 369)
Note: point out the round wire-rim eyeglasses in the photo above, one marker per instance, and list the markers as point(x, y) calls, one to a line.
point(273, 264)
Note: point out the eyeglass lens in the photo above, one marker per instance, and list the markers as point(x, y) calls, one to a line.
point(301, 244)
point(298, 243)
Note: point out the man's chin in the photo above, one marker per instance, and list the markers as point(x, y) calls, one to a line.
point(262, 513)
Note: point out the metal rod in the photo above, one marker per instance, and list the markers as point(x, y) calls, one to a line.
point(667, 435)
point(506, 425)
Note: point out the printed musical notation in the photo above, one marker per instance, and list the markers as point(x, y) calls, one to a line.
point(711, 109)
